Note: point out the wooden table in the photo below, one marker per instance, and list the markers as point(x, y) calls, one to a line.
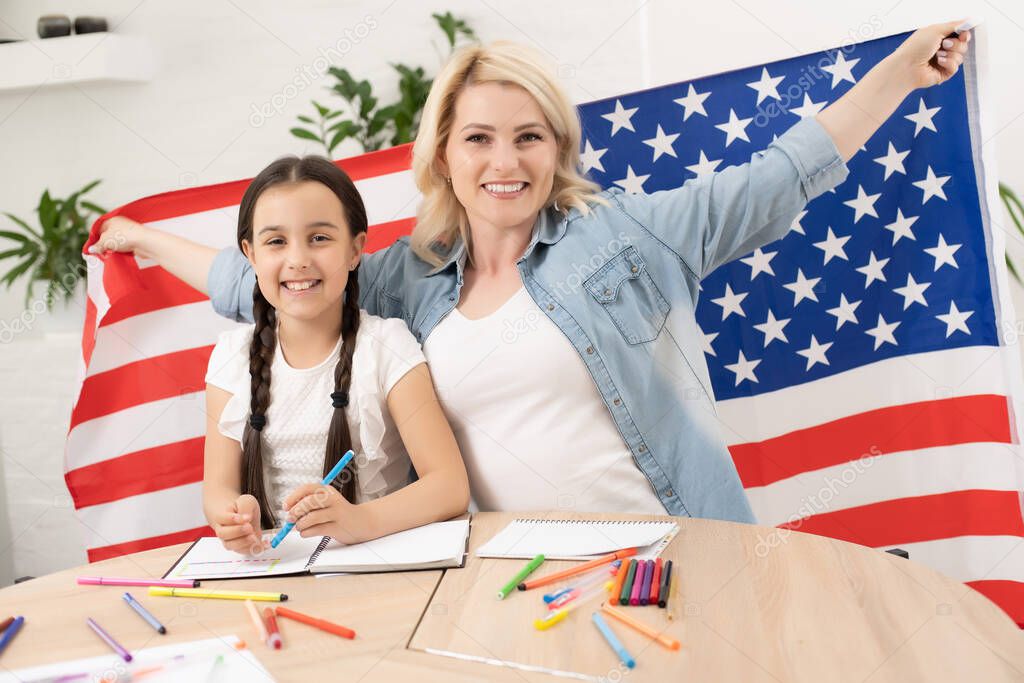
point(753, 604)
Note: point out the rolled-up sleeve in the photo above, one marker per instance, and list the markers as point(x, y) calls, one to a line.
point(230, 284)
point(716, 218)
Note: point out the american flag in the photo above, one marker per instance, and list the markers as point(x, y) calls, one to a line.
point(864, 365)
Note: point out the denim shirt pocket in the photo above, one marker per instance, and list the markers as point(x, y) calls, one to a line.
point(389, 306)
point(630, 297)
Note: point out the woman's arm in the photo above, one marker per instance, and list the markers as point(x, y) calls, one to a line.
point(924, 59)
point(234, 517)
point(440, 493)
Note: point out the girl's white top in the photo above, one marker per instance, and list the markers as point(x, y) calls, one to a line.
point(295, 436)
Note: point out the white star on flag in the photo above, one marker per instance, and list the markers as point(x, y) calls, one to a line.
point(591, 158)
point(795, 225)
point(883, 332)
point(873, 270)
point(705, 342)
point(730, 303)
point(621, 118)
point(893, 161)
point(704, 166)
point(863, 205)
point(802, 287)
point(632, 183)
point(759, 262)
point(841, 70)
point(901, 226)
point(833, 246)
point(943, 253)
point(808, 108)
point(815, 353)
point(912, 292)
point(772, 329)
point(932, 185)
point(662, 143)
point(734, 128)
point(922, 118)
point(693, 103)
point(844, 312)
point(743, 368)
point(768, 86)
point(955, 320)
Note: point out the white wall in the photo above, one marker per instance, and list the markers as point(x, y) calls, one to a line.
point(192, 125)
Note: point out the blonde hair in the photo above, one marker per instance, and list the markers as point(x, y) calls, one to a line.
point(440, 216)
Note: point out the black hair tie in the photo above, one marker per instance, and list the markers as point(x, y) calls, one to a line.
point(258, 421)
point(339, 399)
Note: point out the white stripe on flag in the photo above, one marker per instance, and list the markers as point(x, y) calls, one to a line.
point(965, 371)
point(143, 516)
point(922, 472)
point(142, 426)
point(972, 558)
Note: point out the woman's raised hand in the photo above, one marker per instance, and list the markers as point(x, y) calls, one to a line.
point(122, 234)
point(929, 57)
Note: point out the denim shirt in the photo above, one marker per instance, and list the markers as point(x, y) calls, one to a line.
point(622, 283)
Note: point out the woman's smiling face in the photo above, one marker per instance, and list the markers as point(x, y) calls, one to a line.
point(501, 155)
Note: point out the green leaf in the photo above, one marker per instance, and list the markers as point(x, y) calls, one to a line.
point(333, 115)
point(320, 108)
point(17, 237)
point(306, 119)
point(16, 272)
point(88, 187)
point(24, 225)
point(47, 211)
point(92, 207)
point(305, 134)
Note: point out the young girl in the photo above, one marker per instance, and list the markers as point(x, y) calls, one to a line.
point(316, 376)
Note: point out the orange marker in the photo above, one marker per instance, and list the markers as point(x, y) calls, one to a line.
point(620, 578)
point(578, 569)
point(662, 639)
point(322, 624)
point(274, 639)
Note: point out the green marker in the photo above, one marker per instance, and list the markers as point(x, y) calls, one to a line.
point(627, 585)
point(518, 578)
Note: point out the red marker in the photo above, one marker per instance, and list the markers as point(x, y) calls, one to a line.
point(655, 583)
point(274, 637)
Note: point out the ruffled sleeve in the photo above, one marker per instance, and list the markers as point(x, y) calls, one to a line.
point(385, 352)
point(229, 370)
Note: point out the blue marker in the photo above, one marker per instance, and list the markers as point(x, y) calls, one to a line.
point(609, 635)
point(144, 613)
point(335, 471)
point(10, 632)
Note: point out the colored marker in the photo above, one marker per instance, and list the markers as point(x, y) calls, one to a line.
point(335, 471)
point(627, 585)
point(257, 621)
point(322, 624)
point(655, 583)
point(109, 640)
point(666, 576)
point(12, 630)
point(579, 569)
point(560, 614)
point(620, 578)
point(645, 590)
point(216, 594)
point(518, 578)
point(118, 581)
point(613, 641)
point(274, 640)
point(549, 597)
point(638, 583)
point(580, 588)
point(144, 613)
point(5, 623)
point(662, 639)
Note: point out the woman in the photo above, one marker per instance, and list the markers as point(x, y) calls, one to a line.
point(589, 395)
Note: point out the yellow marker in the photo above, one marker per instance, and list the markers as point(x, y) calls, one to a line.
point(551, 620)
point(216, 594)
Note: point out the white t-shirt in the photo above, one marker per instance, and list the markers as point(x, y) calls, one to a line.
point(534, 431)
point(295, 436)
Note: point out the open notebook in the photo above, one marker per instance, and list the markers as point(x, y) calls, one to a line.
point(578, 539)
point(432, 546)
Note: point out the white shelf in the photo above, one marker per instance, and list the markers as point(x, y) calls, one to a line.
point(90, 57)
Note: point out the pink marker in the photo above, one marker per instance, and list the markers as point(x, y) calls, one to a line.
point(116, 581)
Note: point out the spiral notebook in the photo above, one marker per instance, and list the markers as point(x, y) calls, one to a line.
point(578, 539)
point(432, 546)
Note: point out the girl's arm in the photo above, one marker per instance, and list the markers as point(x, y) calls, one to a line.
point(234, 517)
point(440, 493)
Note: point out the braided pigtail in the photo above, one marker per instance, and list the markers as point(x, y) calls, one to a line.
point(261, 356)
point(339, 440)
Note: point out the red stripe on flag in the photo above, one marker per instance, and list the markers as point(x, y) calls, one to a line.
point(921, 518)
point(152, 379)
point(1007, 595)
point(108, 551)
point(158, 289)
point(383, 235)
point(151, 469)
point(88, 331)
point(945, 422)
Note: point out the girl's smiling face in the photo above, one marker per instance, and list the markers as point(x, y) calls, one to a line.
point(501, 155)
point(302, 250)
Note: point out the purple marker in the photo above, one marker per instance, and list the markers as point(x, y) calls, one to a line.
point(114, 645)
point(645, 591)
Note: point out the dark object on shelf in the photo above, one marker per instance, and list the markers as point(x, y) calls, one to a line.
point(53, 26)
point(899, 552)
point(90, 25)
point(9, 40)
point(23, 579)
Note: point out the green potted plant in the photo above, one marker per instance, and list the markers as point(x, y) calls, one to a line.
point(52, 253)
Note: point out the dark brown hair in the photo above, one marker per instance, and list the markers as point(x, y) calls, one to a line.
point(292, 169)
